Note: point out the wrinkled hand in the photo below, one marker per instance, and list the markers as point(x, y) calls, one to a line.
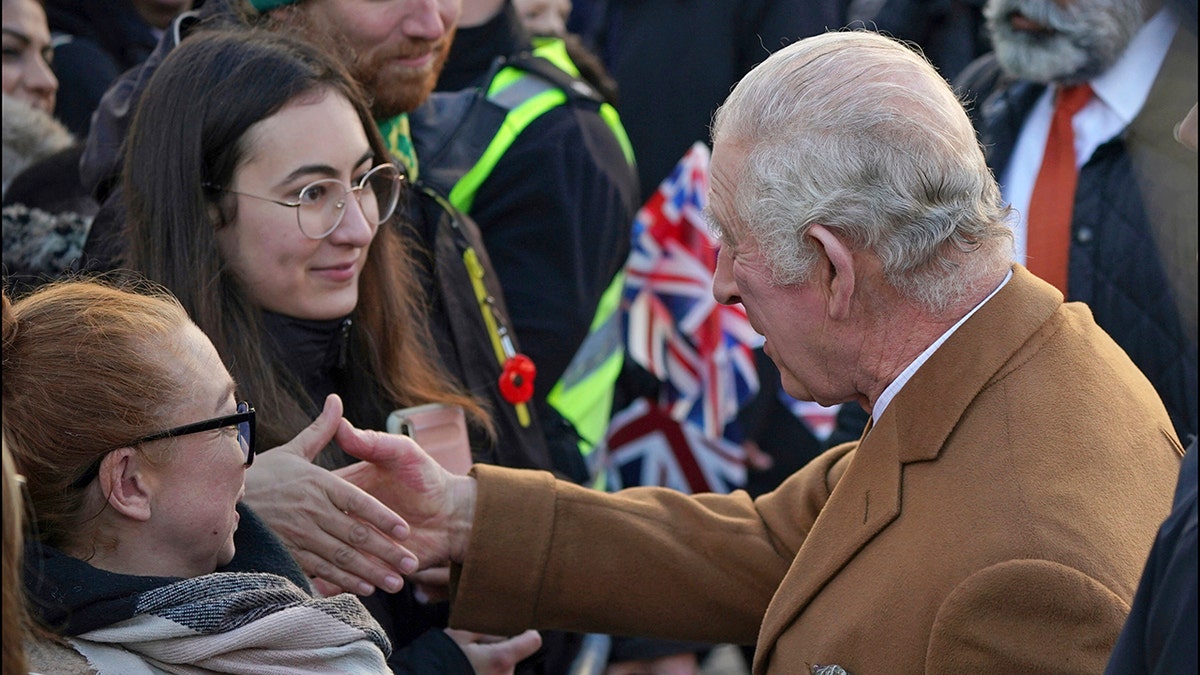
point(491, 655)
point(438, 505)
point(675, 664)
point(337, 532)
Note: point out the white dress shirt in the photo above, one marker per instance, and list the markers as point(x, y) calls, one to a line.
point(1120, 92)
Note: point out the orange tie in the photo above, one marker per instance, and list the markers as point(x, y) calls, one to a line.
point(1049, 229)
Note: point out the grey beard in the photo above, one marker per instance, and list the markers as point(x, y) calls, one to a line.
point(1089, 36)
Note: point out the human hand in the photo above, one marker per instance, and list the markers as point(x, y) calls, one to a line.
point(492, 655)
point(337, 532)
point(675, 664)
point(438, 505)
point(432, 585)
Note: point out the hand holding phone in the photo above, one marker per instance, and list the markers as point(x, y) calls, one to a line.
point(440, 429)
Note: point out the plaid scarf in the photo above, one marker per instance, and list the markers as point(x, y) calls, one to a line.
point(222, 622)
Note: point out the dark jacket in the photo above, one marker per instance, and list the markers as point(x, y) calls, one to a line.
point(95, 41)
point(319, 354)
point(675, 62)
point(1131, 204)
point(556, 211)
point(951, 33)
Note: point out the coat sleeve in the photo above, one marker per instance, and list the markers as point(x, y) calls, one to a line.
point(651, 562)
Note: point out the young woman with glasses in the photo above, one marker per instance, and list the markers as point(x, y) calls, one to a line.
point(134, 447)
point(260, 192)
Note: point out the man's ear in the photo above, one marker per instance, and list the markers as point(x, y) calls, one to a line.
point(124, 482)
point(839, 280)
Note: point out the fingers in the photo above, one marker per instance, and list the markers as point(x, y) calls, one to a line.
point(327, 579)
point(523, 646)
point(432, 585)
point(336, 531)
point(309, 442)
point(325, 589)
point(1185, 131)
point(348, 548)
point(353, 500)
point(493, 655)
point(346, 565)
point(368, 561)
point(374, 446)
point(434, 576)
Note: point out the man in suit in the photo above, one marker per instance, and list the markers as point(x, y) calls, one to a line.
point(995, 514)
point(1128, 236)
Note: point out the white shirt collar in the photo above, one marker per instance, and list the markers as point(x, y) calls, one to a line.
point(1124, 87)
point(897, 384)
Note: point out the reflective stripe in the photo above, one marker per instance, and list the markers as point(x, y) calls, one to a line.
point(527, 97)
point(583, 396)
point(603, 340)
point(520, 91)
point(463, 193)
point(584, 393)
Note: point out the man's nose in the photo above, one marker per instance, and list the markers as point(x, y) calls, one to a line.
point(423, 19)
point(725, 288)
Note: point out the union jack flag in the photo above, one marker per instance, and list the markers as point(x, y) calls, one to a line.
point(699, 349)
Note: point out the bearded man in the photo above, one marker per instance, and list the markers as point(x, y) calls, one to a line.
point(1128, 236)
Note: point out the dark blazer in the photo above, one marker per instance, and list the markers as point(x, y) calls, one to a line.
point(995, 519)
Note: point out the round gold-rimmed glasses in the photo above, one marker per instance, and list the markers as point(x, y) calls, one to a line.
point(321, 205)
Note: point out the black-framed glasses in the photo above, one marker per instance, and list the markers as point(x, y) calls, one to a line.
point(243, 420)
point(321, 205)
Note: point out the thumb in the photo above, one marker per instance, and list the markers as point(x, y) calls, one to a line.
point(309, 442)
point(524, 645)
point(373, 446)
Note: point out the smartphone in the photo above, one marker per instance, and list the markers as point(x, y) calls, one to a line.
point(440, 429)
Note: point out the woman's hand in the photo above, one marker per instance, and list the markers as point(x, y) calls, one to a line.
point(491, 655)
point(338, 533)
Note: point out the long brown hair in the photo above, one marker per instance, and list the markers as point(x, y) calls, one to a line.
point(190, 132)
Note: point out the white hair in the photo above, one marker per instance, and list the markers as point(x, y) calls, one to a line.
point(858, 133)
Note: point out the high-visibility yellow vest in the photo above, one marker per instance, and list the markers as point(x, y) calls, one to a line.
point(583, 395)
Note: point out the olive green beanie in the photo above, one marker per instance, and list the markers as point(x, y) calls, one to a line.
point(266, 5)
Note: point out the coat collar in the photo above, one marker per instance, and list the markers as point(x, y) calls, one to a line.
point(867, 498)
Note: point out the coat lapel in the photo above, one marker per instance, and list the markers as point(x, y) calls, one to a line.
point(864, 501)
point(914, 428)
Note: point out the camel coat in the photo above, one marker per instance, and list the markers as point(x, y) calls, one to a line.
point(995, 519)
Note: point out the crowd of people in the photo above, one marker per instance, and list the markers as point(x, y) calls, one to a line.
point(239, 234)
